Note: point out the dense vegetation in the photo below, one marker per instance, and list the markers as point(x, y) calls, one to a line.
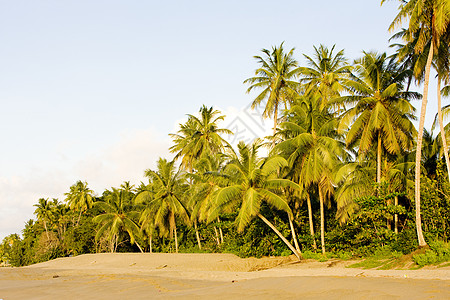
point(336, 175)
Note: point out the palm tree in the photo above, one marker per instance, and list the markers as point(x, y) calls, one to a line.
point(326, 74)
point(380, 111)
point(276, 76)
point(117, 217)
point(43, 212)
point(144, 198)
point(427, 19)
point(199, 136)
point(313, 149)
point(255, 182)
point(79, 198)
point(169, 186)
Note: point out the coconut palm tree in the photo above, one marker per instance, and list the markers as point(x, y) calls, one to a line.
point(379, 111)
point(199, 136)
point(313, 149)
point(276, 77)
point(43, 212)
point(80, 198)
point(169, 187)
point(255, 182)
point(204, 182)
point(429, 20)
point(326, 74)
point(143, 199)
point(117, 217)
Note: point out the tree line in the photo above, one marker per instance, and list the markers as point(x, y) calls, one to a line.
point(344, 170)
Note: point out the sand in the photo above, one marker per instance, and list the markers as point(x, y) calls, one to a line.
point(214, 276)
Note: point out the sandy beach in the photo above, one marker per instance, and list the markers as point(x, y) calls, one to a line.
point(214, 276)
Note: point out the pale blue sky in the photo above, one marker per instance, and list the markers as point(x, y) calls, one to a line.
point(90, 89)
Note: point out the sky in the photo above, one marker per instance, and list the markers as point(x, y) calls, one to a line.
point(90, 90)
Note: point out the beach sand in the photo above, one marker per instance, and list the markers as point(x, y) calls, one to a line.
point(214, 276)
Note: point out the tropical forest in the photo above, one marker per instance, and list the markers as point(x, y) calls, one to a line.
point(349, 170)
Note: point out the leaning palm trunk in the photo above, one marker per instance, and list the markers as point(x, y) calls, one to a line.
point(311, 225)
point(46, 230)
point(441, 127)
point(220, 231)
point(322, 221)
point(140, 249)
point(280, 235)
point(217, 236)
point(197, 235)
point(294, 236)
point(423, 111)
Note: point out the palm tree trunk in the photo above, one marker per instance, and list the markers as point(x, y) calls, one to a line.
point(396, 216)
point(294, 236)
point(220, 231)
point(280, 235)
point(379, 161)
point(150, 244)
point(310, 217)
point(139, 246)
point(217, 236)
point(441, 127)
point(176, 238)
point(275, 123)
point(79, 217)
point(197, 235)
point(46, 230)
point(423, 111)
point(322, 221)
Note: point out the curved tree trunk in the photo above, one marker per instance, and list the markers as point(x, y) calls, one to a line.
point(46, 230)
point(423, 111)
point(441, 128)
point(197, 235)
point(139, 246)
point(280, 235)
point(294, 236)
point(322, 221)
point(217, 236)
point(220, 231)
point(311, 224)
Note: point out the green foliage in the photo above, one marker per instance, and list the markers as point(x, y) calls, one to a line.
point(439, 252)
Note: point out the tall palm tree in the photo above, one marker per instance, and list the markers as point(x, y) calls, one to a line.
point(143, 199)
point(255, 181)
point(326, 74)
point(313, 149)
point(79, 198)
point(379, 111)
point(169, 186)
point(427, 19)
point(43, 212)
point(198, 137)
point(276, 76)
point(117, 217)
